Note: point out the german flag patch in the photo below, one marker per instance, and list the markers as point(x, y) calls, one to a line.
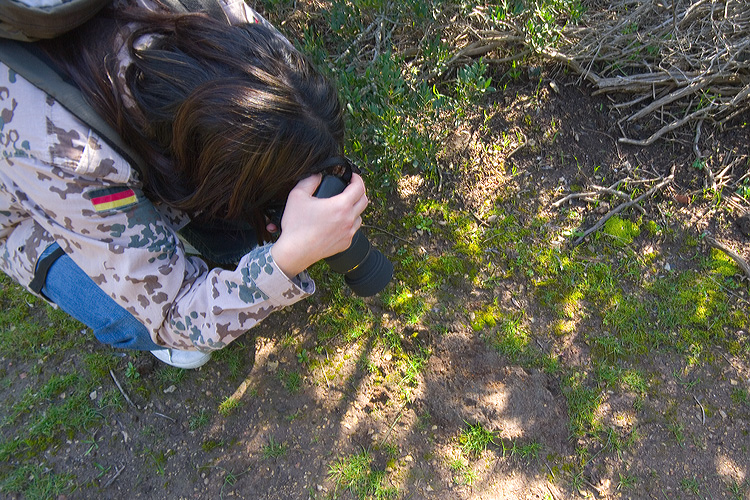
point(112, 198)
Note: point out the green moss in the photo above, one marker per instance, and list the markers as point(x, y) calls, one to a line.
point(505, 333)
point(411, 306)
point(690, 241)
point(719, 262)
point(653, 228)
point(562, 327)
point(348, 318)
point(621, 231)
point(486, 317)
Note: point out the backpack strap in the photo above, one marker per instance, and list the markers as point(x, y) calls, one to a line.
point(23, 60)
point(210, 7)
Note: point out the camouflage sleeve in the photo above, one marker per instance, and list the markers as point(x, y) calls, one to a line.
point(62, 182)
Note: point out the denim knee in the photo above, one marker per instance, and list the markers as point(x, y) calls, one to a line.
point(76, 293)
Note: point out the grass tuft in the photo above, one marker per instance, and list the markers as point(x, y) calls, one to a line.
point(356, 474)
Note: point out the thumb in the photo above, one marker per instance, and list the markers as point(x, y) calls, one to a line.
point(308, 185)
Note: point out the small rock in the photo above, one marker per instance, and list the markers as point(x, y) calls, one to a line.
point(492, 218)
point(682, 199)
point(320, 487)
point(272, 366)
point(93, 395)
point(667, 267)
point(170, 389)
point(553, 86)
point(723, 414)
point(408, 458)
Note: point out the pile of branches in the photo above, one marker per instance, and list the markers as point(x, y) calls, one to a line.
point(684, 61)
point(672, 63)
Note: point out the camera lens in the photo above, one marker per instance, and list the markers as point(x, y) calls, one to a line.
point(366, 270)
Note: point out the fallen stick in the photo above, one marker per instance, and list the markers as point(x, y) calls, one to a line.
point(692, 88)
point(703, 411)
point(395, 421)
point(667, 128)
point(112, 479)
point(731, 253)
point(619, 208)
point(122, 391)
point(597, 191)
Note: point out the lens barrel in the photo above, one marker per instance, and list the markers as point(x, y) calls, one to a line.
point(366, 270)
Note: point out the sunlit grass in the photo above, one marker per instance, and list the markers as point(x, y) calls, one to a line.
point(475, 439)
point(356, 474)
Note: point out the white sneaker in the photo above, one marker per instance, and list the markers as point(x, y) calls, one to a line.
point(182, 359)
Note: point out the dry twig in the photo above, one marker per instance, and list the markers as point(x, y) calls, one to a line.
point(742, 263)
point(619, 208)
point(598, 190)
point(112, 479)
point(122, 391)
point(703, 411)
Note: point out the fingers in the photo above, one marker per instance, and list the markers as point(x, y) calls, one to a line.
point(356, 187)
point(345, 207)
point(355, 196)
point(360, 205)
point(308, 185)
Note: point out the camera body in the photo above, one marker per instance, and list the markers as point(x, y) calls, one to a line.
point(366, 270)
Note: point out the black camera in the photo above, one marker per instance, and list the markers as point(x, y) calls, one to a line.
point(366, 270)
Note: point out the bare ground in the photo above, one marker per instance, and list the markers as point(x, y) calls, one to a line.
point(151, 452)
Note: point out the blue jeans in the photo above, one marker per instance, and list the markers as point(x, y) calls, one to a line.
point(77, 294)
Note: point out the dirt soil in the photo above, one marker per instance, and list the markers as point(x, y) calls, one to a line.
point(153, 453)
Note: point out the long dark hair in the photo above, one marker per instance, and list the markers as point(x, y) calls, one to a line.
point(227, 118)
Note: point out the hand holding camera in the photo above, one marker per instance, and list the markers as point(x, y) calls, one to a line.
point(314, 228)
point(322, 220)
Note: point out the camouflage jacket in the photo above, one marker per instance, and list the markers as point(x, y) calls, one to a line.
point(60, 182)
